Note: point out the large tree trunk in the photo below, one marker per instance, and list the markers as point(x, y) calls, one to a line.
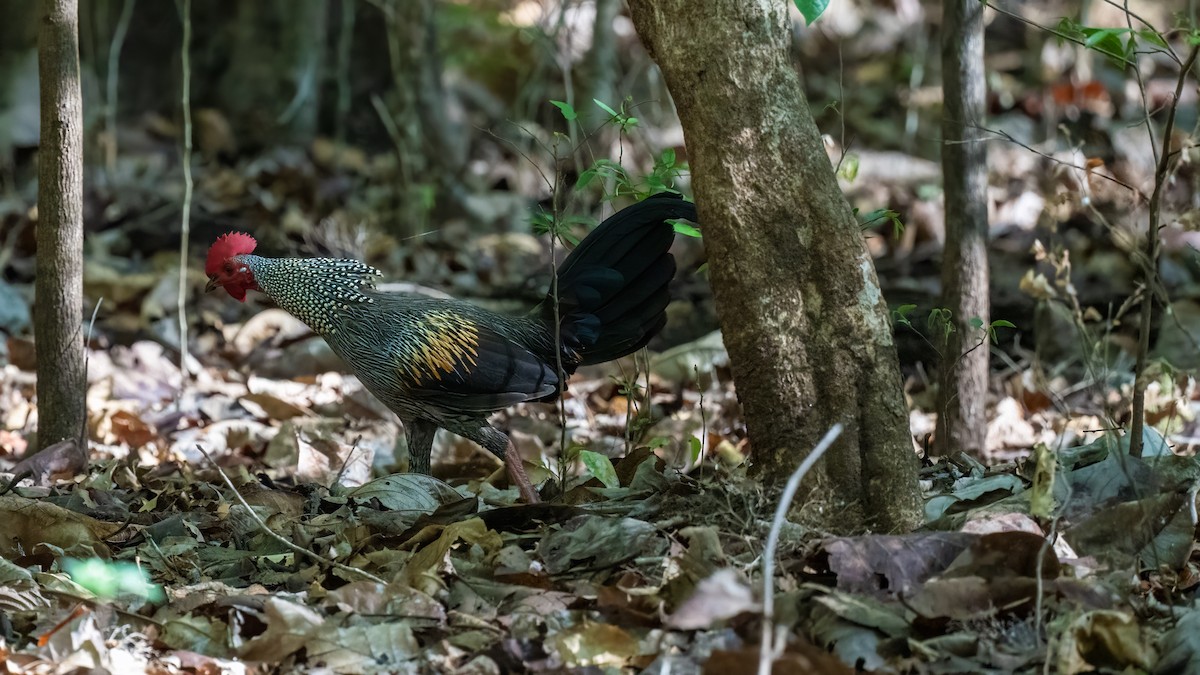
point(808, 332)
point(58, 313)
point(962, 396)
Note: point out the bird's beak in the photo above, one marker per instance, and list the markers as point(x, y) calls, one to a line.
point(213, 284)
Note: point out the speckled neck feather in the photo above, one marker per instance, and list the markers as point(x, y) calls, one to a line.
point(314, 290)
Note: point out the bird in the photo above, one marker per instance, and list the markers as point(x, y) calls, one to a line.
point(449, 364)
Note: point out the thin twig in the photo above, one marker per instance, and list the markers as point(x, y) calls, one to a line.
point(110, 83)
point(1070, 38)
point(1004, 135)
point(1149, 26)
point(186, 222)
point(345, 36)
point(1152, 249)
point(279, 538)
point(87, 354)
point(767, 650)
point(1141, 82)
point(555, 232)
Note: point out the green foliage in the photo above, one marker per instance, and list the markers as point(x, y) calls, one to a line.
point(1118, 45)
point(811, 9)
point(667, 168)
point(900, 315)
point(990, 329)
point(544, 223)
point(567, 110)
point(871, 218)
point(601, 467)
point(682, 227)
point(111, 579)
point(848, 169)
point(622, 120)
point(939, 321)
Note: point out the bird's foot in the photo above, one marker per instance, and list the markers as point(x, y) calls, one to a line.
point(518, 477)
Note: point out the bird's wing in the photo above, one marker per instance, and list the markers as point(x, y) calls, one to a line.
point(453, 361)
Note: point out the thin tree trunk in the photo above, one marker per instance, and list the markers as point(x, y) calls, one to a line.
point(421, 71)
point(807, 329)
point(962, 396)
point(18, 66)
point(600, 66)
point(58, 313)
point(272, 90)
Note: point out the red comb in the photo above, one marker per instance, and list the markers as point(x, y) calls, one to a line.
point(226, 246)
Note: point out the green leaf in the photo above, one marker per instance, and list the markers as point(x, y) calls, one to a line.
point(1153, 37)
point(605, 108)
point(586, 178)
point(1001, 323)
point(1108, 41)
point(567, 110)
point(1069, 27)
point(976, 322)
point(601, 467)
point(109, 580)
point(1097, 35)
point(848, 171)
point(681, 227)
point(541, 222)
point(811, 9)
point(694, 445)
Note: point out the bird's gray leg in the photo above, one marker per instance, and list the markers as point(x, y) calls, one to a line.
point(500, 445)
point(420, 444)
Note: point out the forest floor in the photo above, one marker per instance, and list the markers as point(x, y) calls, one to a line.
point(245, 515)
point(245, 518)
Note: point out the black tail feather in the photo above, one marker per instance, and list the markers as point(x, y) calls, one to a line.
point(612, 288)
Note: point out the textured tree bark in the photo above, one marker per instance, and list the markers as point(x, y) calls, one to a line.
point(962, 395)
point(58, 312)
point(808, 332)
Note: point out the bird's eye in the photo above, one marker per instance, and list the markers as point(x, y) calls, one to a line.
point(228, 267)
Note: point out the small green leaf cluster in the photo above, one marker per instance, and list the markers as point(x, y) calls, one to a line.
point(666, 170)
point(544, 223)
point(939, 321)
point(1119, 45)
point(869, 219)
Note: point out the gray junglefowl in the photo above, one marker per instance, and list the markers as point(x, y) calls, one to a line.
point(450, 364)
